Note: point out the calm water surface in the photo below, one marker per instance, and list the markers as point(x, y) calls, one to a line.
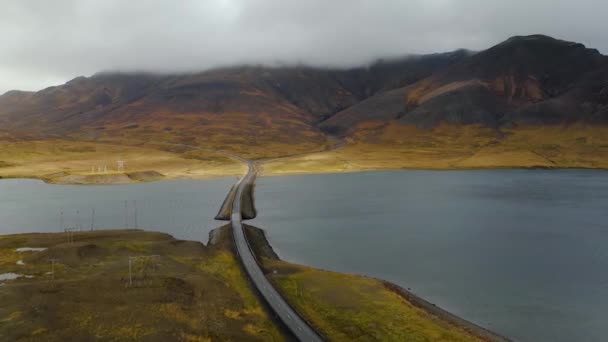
point(522, 252)
point(183, 208)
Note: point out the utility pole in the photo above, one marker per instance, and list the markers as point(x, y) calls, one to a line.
point(126, 214)
point(78, 225)
point(140, 257)
point(70, 235)
point(93, 219)
point(53, 268)
point(61, 220)
point(130, 274)
point(135, 214)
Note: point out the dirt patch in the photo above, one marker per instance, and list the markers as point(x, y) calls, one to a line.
point(116, 178)
point(145, 176)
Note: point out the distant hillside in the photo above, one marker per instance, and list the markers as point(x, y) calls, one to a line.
point(526, 81)
point(234, 105)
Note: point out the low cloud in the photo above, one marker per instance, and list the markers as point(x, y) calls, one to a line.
point(49, 42)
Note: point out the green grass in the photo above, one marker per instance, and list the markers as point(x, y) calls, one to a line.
point(197, 293)
point(349, 307)
point(346, 307)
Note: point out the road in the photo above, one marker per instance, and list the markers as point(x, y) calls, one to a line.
point(298, 327)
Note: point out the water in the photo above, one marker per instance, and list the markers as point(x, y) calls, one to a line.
point(30, 249)
point(9, 276)
point(522, 252)
point(183, 208)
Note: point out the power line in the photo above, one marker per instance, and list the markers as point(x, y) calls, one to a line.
point(126, 214)
point(78, 225)
point(135, 225)
point(70, 235)
point(142, 258)
point(93, 219)
point(52, 260)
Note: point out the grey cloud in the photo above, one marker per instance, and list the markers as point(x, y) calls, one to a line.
point(48, 42)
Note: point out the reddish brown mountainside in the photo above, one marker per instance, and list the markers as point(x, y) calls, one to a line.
point(524, 80)
point(239, 105)
point(532, 80)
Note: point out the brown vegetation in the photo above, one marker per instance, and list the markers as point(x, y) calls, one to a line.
point(82, 162)
point(192, 293)
point(397, 146)
point(347, 307)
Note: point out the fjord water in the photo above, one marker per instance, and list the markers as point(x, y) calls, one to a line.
point(183, 208)
point(522, 252)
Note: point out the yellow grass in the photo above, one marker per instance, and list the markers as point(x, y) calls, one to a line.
point(455, 147)
point(262, 135)
point(67, 161)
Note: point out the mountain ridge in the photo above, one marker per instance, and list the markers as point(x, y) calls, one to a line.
point(525, 80)
point(497, 86)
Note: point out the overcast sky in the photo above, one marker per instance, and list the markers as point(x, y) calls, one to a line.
point(46, 42)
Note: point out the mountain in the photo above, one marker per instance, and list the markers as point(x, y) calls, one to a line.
point(238, 105)
point(526, 81)
point(535, 80)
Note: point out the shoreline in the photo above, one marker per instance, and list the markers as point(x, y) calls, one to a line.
point(328, 172)
point(469, 326)
point(263, 249)
point(53, 181)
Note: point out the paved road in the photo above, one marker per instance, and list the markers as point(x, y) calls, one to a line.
point(283, 311)
point(298, 327)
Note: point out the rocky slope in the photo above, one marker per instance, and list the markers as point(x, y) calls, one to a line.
point(279, 103)
point(534, 80)
point(524, 81)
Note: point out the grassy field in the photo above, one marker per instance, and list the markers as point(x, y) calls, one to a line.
point(155, 154)
point(449, 147)
point(348, 307)
point(191, 292)
point(69, 161)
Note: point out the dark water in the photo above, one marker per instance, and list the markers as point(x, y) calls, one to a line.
point(522, 252)
point(184, 208)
